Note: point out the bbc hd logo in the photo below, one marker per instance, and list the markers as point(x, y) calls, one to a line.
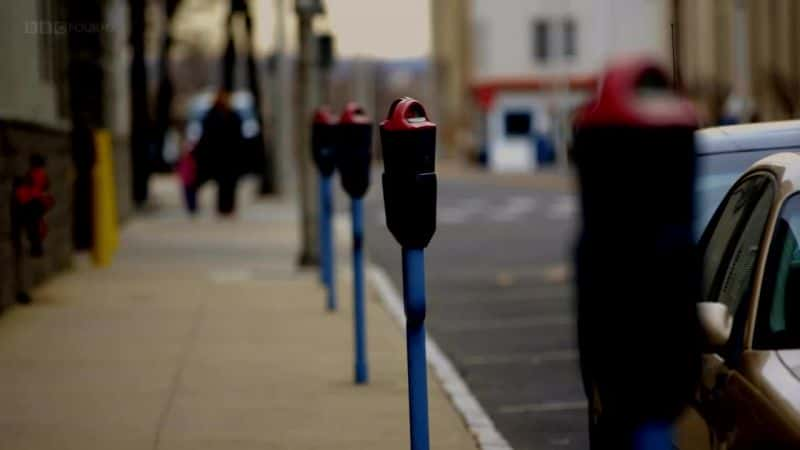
point(59, 27)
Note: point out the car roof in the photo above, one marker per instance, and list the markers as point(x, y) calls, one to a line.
point(749, 137)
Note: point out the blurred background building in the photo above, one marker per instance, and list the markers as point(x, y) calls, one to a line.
point(739, 59)
point(510, 73)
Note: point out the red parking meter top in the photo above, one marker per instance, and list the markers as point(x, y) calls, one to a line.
point(637, 92)
point(406, 114)
point(353, 113)
point(324, 116)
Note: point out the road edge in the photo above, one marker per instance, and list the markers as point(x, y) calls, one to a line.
point(478, 422)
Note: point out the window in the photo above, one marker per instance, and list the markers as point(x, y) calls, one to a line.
point(778, 322)
point(518, 123)
point(716, 173)
point(541, 40)
point(731, 245)
point(570, 38)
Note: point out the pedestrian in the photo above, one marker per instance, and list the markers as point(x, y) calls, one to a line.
point(219, 154)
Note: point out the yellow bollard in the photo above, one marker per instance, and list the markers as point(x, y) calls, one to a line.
point(106, 228)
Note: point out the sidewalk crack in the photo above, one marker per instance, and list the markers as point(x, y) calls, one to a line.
point(177, 377)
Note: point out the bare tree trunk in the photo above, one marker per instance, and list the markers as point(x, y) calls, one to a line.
point(309, 250)
point(264, 151)
point(166, 90)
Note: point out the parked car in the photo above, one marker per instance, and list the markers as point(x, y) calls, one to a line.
point(749, 396)
point(724, 153)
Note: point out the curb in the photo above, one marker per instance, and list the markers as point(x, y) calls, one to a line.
point(476, 419)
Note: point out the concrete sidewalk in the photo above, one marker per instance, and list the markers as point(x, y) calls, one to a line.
point(203, 335)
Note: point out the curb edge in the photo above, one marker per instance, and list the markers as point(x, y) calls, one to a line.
point(478, 422)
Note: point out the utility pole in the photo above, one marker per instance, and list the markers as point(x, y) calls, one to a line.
point(307, 99)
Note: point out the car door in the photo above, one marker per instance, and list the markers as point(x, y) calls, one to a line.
point(731, 248)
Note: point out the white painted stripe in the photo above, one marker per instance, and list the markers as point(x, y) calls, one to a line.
point(460, 212)
point(514, 208)
point(464, 401)
point(544, 407)
point(565, 208)
point(524, 358)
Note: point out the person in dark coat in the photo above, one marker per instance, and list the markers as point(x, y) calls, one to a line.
point(220, 152)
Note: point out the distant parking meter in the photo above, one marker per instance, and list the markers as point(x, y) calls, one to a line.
point(637, 266)
point(408, 140)
point(323, 129)
point(354, 149)
point(353, 156)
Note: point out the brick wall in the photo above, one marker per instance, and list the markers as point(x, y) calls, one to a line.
point(17, 142)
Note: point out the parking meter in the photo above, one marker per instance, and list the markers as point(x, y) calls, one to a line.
point(408, 140)
point(637, 268)
point(354, 149)
point(353, 156)
point(323, 150)
point(323, 135)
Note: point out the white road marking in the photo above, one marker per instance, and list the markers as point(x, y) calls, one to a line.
point(514, 208)
point(564, 208)
point(545, 407)
point(510, 323)
point(525, 358)
point(459, 212)
point(464, 401)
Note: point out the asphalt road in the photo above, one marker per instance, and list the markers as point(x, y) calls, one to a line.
point(500, 303)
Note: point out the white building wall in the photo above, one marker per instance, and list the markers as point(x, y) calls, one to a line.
point(504, 46)
point(504, 43)
point(26, 94)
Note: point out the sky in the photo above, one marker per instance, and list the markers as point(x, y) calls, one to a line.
point(386, 29)
point(383, 28)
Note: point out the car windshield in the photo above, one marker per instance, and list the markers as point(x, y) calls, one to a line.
point(716, 173)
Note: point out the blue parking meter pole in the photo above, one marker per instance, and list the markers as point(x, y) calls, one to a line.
point(359, 316)
point(326, 239)
point(408, 139)
point(414, 303)
point(353, 156)
point(324, 154)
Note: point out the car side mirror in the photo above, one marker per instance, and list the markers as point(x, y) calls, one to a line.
point(715, 324)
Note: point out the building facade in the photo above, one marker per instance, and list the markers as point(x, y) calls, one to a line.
point(739, 59)
point(535, 61)
point(61, 64)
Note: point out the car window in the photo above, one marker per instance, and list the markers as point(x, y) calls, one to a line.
point(731, 245)
point(778, 322)
point(716, 173)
